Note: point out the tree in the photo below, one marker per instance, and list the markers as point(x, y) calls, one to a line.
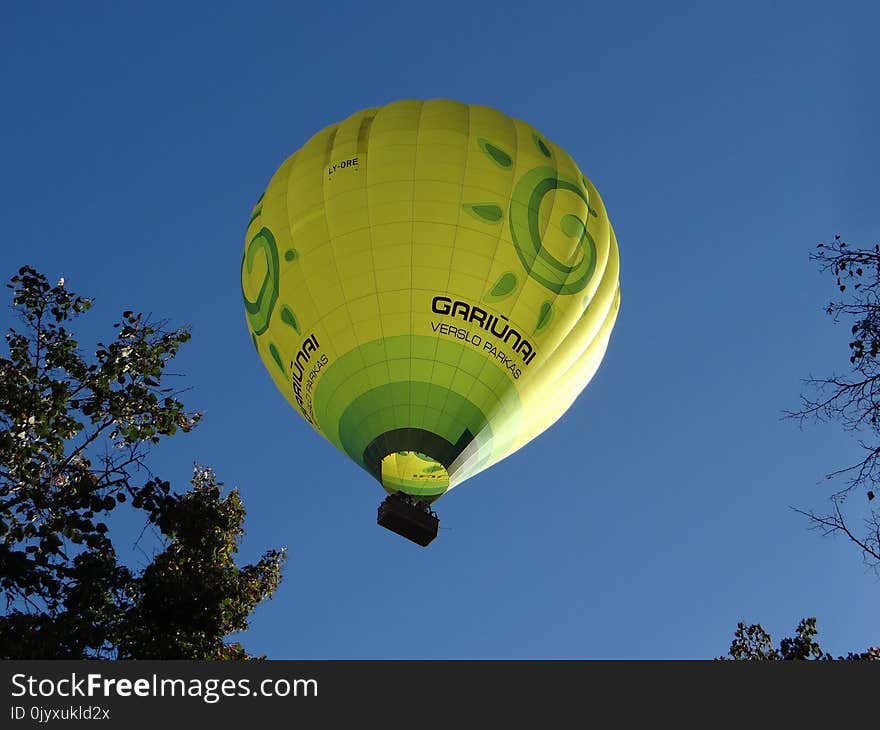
point(74, 437)
point(852, 399)
point(753, 643)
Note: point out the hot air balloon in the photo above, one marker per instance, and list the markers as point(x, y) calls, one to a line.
point(430, 284)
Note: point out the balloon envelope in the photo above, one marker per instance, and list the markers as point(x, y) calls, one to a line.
point(430, 284)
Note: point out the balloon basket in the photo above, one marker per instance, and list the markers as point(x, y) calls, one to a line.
point(408, 518)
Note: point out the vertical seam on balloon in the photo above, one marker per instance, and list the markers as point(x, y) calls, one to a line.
point(547, 226)
point(333, 247)
point(528, 374)
point(610, 315)
point(412, 248)
point(603, 340)
point(528, 272)
point(387, 445)
point(364, 114)
point(606, 311)
point(476, 376)
point(597, 274)
point(486, 363)
point(563, 336)
point(373, 264)
point(328, 146)
point(467, 158)
point(519, 387)
point(555, 295)
point(605, 315)
point(303, 278)
point(499, 397)
point(517, 172)
point(515, 177)
point(554, 192)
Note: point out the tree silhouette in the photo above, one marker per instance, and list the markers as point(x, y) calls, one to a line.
point(74, 437)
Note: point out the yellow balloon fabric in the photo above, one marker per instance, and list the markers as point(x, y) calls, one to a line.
point(430, 284)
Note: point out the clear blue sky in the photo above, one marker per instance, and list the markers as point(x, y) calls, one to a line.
point(727, 139)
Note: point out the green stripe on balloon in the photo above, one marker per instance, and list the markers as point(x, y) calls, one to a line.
point(485, 212)
point(289, 318)
point(259, 310)
point(539, 143)
point(496, 154)
point(572, 226)
point(352, 426)
point(502, 288)
point(589, 207)
point(544, 317)
point(363, 419)
point(258, 209)
point(525, 230)
point(273, 351)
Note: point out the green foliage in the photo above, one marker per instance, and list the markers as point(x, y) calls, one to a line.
point(192, 594)
point(753, 643)
point(74, 435)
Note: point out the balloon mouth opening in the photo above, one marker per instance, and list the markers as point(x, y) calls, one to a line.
point(414, 473)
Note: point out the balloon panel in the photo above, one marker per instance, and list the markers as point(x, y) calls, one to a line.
point(430, 285)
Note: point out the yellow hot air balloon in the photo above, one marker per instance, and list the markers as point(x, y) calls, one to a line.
point(430, 284)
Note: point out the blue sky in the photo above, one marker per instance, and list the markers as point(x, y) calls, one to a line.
point(726, 140)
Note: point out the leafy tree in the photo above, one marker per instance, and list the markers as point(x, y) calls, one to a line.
point(753, 643)
point(852, 399)
point(74, 436)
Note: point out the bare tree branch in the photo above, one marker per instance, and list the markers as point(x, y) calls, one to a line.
point(852, 400)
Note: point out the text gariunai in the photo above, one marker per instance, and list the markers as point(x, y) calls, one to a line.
point(305, 368)
point(498, 325)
